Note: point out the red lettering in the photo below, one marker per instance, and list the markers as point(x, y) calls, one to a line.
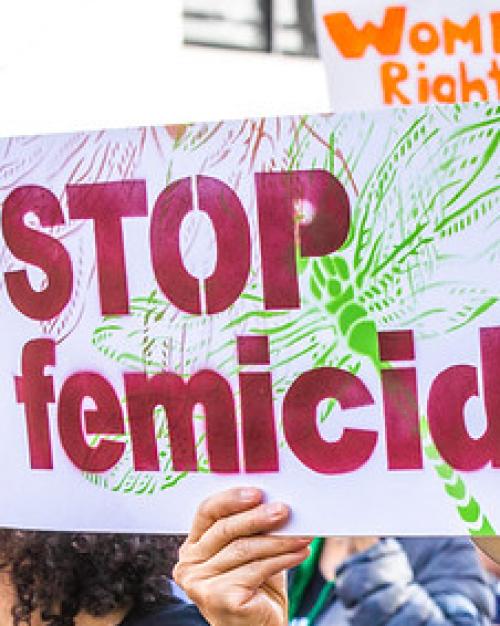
point(178, 398)
point(277, 197)
point(36, 391)
point(107, 204)
point(400, 397)
point(171, 207)
point(490, 365)
point(105, 419)
point(230, 223)
point(38, 249)
point(257, 411)
point(228, 217)
point(448, 396)
point(300, 423)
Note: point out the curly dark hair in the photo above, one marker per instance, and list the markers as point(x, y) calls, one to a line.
point(62, 574)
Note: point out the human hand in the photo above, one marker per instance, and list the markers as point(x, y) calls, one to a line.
point(231, 568)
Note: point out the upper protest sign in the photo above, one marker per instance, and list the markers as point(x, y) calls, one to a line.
point(379, 52)
point(305, 304)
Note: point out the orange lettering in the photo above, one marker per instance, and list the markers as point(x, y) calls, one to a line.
point(445, 89)
point(495, 25)
point(424, 38)
point(391, 75)
point(494, 74)
point(470, 86)
point(470, 33)
point(353, 42)
point(424, 87)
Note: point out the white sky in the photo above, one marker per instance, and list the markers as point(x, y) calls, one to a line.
point(74, 64)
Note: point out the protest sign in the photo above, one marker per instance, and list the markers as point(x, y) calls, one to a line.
point(380, 52)
point(305, 304)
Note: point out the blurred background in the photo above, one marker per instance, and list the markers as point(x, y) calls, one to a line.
point(281, 26)
point(81, 64)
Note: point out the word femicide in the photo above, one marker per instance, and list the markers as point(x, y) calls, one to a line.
point(277, 194)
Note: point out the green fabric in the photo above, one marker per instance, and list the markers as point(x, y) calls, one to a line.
point(320, 602)
point(302, 577)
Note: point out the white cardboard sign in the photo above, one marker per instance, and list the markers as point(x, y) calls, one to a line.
point(305, 304)
point(382, 52)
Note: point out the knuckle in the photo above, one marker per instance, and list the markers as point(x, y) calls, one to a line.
point(230, 602)
point(178, 574)
point(260, 520)
point(202, 595)
point(186, 580)
point(184, 551)
point(226, 530)
point(205, 509)
point(241, 548)
point(284, 544)
point(190, 555)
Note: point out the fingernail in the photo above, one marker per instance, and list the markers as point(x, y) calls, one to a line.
point(249, 495)
point(275, 510)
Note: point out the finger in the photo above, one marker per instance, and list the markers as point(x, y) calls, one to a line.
point(222, 505)
point(262, 519)
point(253, 549)
point(254, 575)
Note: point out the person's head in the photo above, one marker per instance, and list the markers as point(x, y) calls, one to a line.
point(59, 575)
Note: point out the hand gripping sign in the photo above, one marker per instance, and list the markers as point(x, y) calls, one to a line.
point(410, 52)
point(304, 304)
